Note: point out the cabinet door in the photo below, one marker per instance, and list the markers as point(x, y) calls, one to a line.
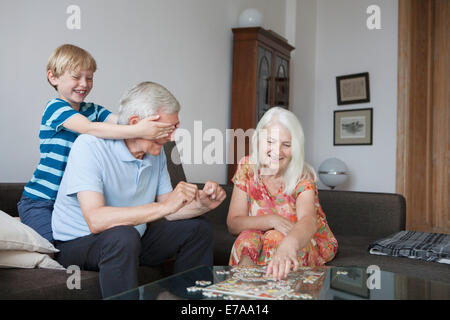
point(281, 92)
point(263, 86)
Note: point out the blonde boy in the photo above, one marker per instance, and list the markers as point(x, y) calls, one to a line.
point(70, 70)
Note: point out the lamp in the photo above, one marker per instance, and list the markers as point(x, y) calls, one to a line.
point(333, 172)
point(250, 18)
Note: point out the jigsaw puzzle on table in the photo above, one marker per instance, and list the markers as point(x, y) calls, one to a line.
point(251, 282)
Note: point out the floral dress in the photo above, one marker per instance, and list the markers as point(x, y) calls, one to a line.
point(260, 246)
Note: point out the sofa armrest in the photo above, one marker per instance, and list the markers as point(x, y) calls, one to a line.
point(10, 194)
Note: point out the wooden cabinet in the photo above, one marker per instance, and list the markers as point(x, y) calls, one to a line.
point(260, 80)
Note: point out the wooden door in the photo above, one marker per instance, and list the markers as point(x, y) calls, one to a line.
point(423, 127)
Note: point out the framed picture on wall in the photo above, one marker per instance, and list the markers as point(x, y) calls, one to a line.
point(353, 88)
point(352, 127)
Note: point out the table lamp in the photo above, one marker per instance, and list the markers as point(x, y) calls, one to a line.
point(250, 18)
point(333, 172)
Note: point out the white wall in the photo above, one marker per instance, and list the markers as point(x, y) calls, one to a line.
point(184, 45)
point(303, 72)
point(187, 46)
point(344, 45)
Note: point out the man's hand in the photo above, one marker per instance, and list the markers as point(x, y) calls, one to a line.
point(183, 194)
point(211, 196)
point(186, 201)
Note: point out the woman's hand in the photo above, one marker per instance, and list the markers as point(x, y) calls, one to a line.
point(280, 223)
point(284, 259)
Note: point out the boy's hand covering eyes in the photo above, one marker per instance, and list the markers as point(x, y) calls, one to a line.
point(151, 129)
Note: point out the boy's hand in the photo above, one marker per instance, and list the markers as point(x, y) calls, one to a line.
point(150, 129)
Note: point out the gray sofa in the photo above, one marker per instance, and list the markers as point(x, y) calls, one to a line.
point(356, 219)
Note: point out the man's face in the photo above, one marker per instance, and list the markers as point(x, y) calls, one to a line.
point(154, 147)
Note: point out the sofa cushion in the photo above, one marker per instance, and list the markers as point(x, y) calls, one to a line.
point(52, 284)
point(46, 284)
point(14, 235)
point(223, 242)
point(26, 259)
point(363, 213)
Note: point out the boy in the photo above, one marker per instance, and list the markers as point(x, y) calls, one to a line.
point(70, 71)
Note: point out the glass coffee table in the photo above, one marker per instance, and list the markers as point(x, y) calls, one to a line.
point(321, 283)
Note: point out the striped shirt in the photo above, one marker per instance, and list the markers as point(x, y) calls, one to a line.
point(55, 144)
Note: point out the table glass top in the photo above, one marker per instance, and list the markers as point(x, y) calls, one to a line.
point(320, 283)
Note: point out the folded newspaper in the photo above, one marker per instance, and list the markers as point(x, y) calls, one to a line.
point(416, 245)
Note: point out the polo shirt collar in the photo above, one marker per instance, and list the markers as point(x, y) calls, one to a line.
point(125, 155)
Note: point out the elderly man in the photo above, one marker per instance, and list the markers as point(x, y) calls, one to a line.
point(114, 193)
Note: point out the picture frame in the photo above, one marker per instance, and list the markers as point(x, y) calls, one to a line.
point(353, 127)
point(353, 281)
point(353, 88)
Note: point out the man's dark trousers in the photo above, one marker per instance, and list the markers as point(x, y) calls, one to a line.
point(117, 252)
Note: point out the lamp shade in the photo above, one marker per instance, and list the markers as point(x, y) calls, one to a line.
point(250, 18)
point(333, 172)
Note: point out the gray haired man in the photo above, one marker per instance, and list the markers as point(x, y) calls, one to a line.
point(114, 193)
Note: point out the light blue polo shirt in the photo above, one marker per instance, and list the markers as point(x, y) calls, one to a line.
point(108, 167)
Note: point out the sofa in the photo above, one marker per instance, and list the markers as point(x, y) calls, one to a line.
point(356, 219)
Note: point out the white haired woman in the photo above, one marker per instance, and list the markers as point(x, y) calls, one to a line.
point(275, 208)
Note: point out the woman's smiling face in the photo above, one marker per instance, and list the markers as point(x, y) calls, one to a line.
point(275, 148)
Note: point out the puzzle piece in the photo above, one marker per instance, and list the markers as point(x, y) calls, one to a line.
point(222, 272)
point(202, 283)
point(212, 294)
point(194, 289)
point(344, 273)
point(231, 297)
point(251, 282)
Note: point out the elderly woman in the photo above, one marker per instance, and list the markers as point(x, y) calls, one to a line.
point(275, 208)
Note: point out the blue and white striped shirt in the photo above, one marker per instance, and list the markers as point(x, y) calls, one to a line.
point(55, 144)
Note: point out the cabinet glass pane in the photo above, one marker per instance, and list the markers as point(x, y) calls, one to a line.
point(281, 83)
point(263, 86)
